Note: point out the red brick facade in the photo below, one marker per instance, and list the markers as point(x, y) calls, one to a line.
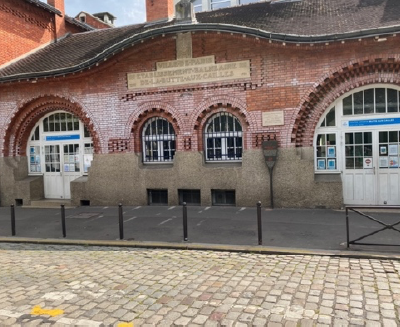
point(23, 27)
point(301, 80)
point(157, 9)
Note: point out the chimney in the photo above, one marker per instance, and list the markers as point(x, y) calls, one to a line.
point(159, 10)
point(59, 21)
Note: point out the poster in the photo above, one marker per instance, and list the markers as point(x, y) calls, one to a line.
point(393, 148)
point(66, 167)
point(71, 167)
point(383, 162)
point(321, 163)
point(383, 150)
point(394, 162)
point(331, 152)
point(368, 163)
point(331, 164)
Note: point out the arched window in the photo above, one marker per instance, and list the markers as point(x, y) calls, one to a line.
point(223, 138)
point(158, 140)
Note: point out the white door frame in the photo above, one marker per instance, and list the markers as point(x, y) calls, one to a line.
point(73, 161)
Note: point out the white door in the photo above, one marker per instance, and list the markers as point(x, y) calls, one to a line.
point(62, 165)
point(53, 179)
point(371, 170)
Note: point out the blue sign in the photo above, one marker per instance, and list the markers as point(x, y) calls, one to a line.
point(63, 137)
point(373, 122)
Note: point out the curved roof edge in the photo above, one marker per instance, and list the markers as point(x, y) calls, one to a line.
point(172, 29)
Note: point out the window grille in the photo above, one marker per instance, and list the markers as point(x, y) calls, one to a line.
point(61, 122)
point(158, 140)
point(223, 138)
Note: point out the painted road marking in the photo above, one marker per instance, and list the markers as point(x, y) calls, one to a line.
point(171, 208)
point(105, 208)
point(59, 296)
point(157, 214)
point(165, 221)
point(125, 324)
point(136, 208)
point(206, 208)
point(200, 222)
point(241, 209)
point(38, 311)
point(130, 219)
point(200, 211)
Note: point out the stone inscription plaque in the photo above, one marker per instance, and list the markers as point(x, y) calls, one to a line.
point(273, 118)
point(189, 71)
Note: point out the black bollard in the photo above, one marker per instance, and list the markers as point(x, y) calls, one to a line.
point(185, 229)
point(12, 220)
point(64, 230)
point(259, 223)
point(121, 222)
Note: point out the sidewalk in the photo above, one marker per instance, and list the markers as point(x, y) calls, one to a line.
point(108, 286)
point(311, 229)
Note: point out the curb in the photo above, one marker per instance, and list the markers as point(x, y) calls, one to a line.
point(205, 247)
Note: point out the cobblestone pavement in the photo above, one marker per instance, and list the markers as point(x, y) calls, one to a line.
point(96, 286)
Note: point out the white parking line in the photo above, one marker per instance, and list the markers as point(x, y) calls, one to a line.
point(125, 221)
point(105, 208)
point(241, 209)
point(206, 208)
point(165, 221)
point(171, 208)
point(200, 211)
point(136, 208)
point(157, 214)
point(200, 222)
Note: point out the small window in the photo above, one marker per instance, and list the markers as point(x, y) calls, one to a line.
point(191, 197)
point(197, 5)
point(223, 197)
point(158, 140)
point(217, 4)
point(330, 119)
point(371, 101)
point(358, 148)
point(223, 138)
point(326, 152)
point(157, 197)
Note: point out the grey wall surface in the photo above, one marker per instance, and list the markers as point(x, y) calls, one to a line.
point(123, 178)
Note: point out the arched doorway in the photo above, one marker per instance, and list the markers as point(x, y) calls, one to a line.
point(60, 148)
point(358, 137)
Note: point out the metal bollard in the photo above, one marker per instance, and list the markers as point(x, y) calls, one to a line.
point(121, 222)
point(12, 220)
point(64, 230)
point(259, 223)
point(185, 229)
point(347, 227)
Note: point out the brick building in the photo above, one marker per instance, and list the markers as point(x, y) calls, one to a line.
point(177, 108)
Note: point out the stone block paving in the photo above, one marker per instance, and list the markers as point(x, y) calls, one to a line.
point(104, 286)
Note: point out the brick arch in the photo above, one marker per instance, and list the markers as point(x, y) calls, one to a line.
point(219, 104)
point(333, 85)
point(18, 130)
point(232, 105)
point(147, 111)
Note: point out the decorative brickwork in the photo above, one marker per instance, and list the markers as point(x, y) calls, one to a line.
point(338, 82)
point(20, 126)
point(261, 137)
point(147, 112)
point(221, 106)
point(118, 145)
point(187, 143)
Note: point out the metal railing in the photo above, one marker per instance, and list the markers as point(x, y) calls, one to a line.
point(121, 221)
point(386, 226)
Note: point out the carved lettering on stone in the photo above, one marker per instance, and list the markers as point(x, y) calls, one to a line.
point(189, 71)
point(273, 118)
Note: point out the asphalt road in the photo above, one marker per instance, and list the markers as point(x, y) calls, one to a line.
point(296, 228)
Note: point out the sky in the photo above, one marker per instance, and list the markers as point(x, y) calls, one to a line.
point(127, 11)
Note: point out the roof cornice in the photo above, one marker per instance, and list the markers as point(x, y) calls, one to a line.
point(45, 6)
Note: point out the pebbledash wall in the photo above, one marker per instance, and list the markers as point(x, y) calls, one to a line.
point(299, 80)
